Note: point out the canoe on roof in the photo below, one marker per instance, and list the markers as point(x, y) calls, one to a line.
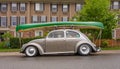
point(96, 25)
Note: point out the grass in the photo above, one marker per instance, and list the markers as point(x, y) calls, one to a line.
point(4, 48)
point(9, 50)
point(111, 48)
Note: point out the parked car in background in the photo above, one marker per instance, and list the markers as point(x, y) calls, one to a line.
point(60, 41)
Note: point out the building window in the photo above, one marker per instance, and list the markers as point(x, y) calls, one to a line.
point(35, 19)
point(14, 20)
point(14, 7)
point(38, 33)
point(3, 7)
point(115, 5)
point(54, 7)
point(78, 7)
point(22, 6)
point(22, 19)
point(64, 19)
point(3, 21)
point(39, 6)
point(54, 19)
point(65, 8)
point(43, 19)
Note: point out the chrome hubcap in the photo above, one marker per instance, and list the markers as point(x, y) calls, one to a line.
point(31, 51)
point(84, 49)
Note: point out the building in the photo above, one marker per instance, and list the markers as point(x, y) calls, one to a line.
point(15, 12)
point(115, 6)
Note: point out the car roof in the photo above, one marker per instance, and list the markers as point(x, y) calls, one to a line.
point(66, 30)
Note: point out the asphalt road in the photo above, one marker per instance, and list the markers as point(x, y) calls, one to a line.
point(95, 61)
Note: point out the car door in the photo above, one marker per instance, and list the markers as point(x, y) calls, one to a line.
point(72, 38)
point(55, 42)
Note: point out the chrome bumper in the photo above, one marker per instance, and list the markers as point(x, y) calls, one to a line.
point(22, 48)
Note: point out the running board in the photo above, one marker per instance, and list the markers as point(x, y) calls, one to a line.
point(58, 52)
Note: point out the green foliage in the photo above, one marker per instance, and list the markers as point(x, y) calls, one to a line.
point(99, 10)
point(104, 44)
point(15, 43)
point(6, 42)
point(6, 36)
point(2, 44)
point(92, 34)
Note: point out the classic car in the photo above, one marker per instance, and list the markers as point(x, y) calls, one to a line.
point(60, 41)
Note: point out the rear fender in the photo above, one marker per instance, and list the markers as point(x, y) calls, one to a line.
point(85, 42)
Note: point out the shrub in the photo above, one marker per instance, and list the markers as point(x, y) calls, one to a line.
point(104, 43)
point(2, 45)
point(6, 42)
point(15, 43)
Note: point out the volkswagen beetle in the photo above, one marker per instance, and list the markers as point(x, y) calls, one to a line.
point(60, 41)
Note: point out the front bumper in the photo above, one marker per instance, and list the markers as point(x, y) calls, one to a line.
point(22, 48)
point(21, 51)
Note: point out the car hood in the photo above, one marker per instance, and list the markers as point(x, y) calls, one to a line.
point(37, 40)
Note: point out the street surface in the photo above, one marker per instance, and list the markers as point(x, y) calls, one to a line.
point(94, 61)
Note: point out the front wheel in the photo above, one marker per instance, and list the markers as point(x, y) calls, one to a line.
point(31, 51)
point(84, 50)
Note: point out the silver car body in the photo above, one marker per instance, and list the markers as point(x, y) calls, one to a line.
point(60, 45)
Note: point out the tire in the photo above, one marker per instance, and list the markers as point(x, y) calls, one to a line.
point(31, 51)
point(84, 50)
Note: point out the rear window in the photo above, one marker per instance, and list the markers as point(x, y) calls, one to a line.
point(72, 34)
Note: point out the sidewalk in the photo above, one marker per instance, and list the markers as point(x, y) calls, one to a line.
point(20, 54)
point(10, 54)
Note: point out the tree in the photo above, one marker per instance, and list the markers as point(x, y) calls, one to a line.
point(7, 37)
point(99, 10)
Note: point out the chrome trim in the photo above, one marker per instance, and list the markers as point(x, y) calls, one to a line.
point(58, 52)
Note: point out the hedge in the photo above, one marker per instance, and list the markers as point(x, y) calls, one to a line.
point(15, 43)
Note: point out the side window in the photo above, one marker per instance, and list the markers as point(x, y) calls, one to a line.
point(56, 34)
point(72, 34)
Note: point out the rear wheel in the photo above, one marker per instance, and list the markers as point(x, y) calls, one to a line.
point(31, 51)
point(84, 50)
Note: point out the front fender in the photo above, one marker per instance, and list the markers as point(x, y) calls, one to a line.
point(40, 49)
point(85, 42)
